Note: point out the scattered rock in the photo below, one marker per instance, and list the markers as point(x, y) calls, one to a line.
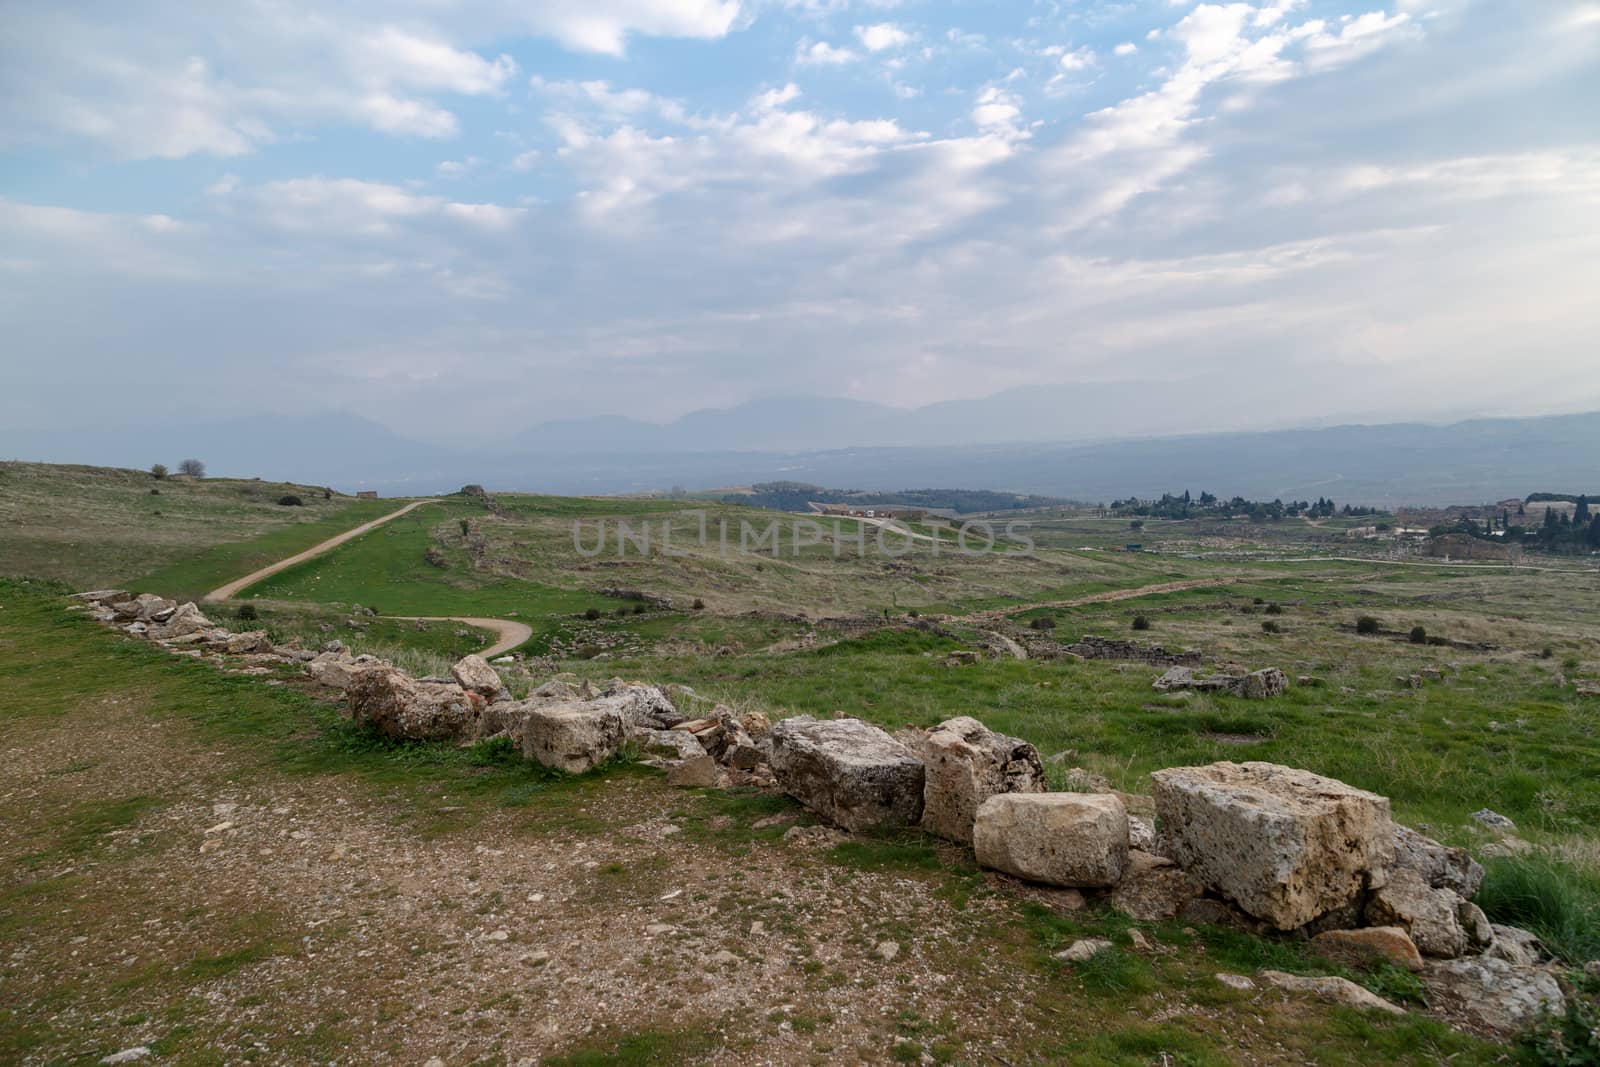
point(1374, 943)
point(1236, 981)
point(1489, 995)
point(1141, 834)
point(887, 950)
point(967, 763)
point(848, 771)
point(1264, 684)
point(1493, 820)
point(1081, 951)
point(1153, 888)
point(1520, 947)
point(1286, 845)
point(813, 836)
point(698, 772)
point(128, 1055)
point(1067, 839)
point(1429, 915)
point(1336, 990)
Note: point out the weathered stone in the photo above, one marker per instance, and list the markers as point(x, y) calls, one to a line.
point(967, 764)
point(186, 620)
point(1475, 924)
point(1373, 943)
point(145, 606)
point(1335, 990)
point(667, 744)
point(1439, 865)
point(1141, 834)
point(1514, 945)
point(999, 646)
point(756, 723)
point(574, 737)
point(1175, 678)
point(1493, 820)
point(1263, 684)
point(102, 596)
point(1069, 839)
point(848, 771)
point(336, 669)
point(1285, 845)
point(249, 641)
point(639, 705)
point(1236, 981)
point(399, 706)
point(1427, 914)
point(698, 772)
point(1154, 888)
point(1082, 951)
point(554, 689)
point(474, 673)
point(1491, 996)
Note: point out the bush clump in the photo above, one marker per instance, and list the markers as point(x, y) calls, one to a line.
point(592, 614)
point(247, 613)
point(1043, 622)
point(1141, 622)
point(1274, 609)
point(1419, 635)
point(698, 605)
point(1367, 626)
point(289, 500)
point(1270, 627)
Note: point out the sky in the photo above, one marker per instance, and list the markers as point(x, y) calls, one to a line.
point(463, 218)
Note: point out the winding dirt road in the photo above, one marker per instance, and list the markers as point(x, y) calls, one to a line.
point(508, 633)
point(996, 614)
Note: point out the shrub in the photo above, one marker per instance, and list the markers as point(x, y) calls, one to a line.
point(1547, 653)
point(1270, 627)
point(1274, 609)
point(155, 492)
point(1043, 622)
point(158, 470)
point(1141, 622)
point(1258, 601)
point(639, 609)
point(1570, 1040)
point(698, 605)
point(289, 500)
point(435, 557)
point(592, 614)
point(193, 468)
point(466, 527)
point(1419, 635)
point(621, 613)
point(1367, 626)
point(247, 613)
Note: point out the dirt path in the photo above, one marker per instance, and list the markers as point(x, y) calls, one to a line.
point(510, 633)
point(238, 585)
point(997, 614)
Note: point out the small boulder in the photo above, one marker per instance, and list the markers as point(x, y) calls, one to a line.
point(1439, 865)
point(249, 641)
point(399, 706)
point(967, 764)
point(1490, 996)
point(1066, 839)
point(186, 620)
point(473, 673)
point(848, 771)
point(574, 737)
point(667, 744)
point(1493, 820)
point(697, 772)
point(1263, 684)
point(1334, 990)
point(1153, 888)
point(1518, 946)
point(1084, 950)
point(1388, 943)
point(1286, 845)
point(1427, 914)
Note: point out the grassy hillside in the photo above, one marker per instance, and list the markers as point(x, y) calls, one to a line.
point(97, 526)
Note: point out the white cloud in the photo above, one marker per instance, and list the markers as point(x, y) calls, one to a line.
point(1078, 59)
point(880, 36)
point(1126, 48)
point(822, 54)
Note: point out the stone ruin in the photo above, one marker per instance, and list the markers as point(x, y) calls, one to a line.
point(1092, 647)
point(1273, 849)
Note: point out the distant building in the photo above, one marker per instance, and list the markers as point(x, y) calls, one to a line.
point(367, 494)
point(856, 511)
point(1460, 546)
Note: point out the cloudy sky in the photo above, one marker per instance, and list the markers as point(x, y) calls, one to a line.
point(462, 218)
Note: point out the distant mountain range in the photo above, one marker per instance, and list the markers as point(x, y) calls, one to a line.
point(851, 445)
